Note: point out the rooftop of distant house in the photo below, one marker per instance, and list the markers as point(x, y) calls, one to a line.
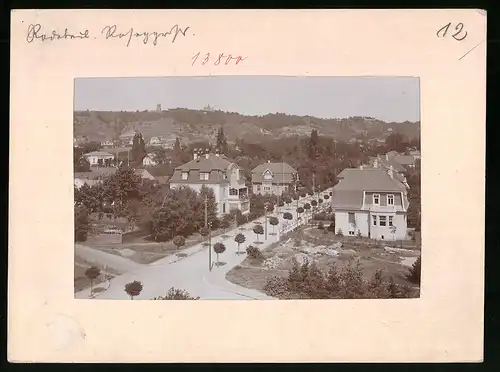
point(282, 172)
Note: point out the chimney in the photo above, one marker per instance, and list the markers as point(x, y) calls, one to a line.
point(195, 156)
point(386, 156)
point(269, 161)
point(217, 154)
point(375, 163)
point(361, 167)
point(207, 155)
point(391, 171)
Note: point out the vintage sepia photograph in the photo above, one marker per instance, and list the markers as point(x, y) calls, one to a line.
point(247, 188)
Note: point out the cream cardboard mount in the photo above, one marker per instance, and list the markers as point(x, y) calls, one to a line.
point(444, 49)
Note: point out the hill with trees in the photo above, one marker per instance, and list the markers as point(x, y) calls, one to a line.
point(190, 125)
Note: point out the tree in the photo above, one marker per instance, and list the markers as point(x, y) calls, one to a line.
point(82, 224)
point(258, 230)
point(138, 151)
point(221, 143)
point(179, 241)
point(314, 203)
point(320, 225)
point(413, 275)
point(326, 197)
point(240, 239)
point(218, 249)
point(287, 216)
point(300, 210)
point(274, 221)
point(295, 196)
point(225, 222)
point(176, 294)
point(92, 273)
point(281, 203)
point(320, 201)
point(307, 206)
point(133, 289)
point(160, 156)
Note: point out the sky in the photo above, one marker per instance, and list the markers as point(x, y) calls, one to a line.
point(391, 99)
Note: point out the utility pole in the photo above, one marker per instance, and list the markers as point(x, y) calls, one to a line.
point(265, 220)
point(206, 212)
point(209, 226)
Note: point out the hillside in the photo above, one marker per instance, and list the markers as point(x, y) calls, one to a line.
point(191, 125)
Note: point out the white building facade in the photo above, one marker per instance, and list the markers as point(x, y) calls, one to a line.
point(218, 174)
point(370, 203)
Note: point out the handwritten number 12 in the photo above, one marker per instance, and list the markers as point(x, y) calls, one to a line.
point(458, 28)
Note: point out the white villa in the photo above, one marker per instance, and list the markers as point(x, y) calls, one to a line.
point(99, 158)
point(370, 202)
point(218, 173)
point(274, 178)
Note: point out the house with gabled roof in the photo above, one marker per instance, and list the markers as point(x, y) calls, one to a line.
point(220, 174)
point(371, 203)
point(274, 178)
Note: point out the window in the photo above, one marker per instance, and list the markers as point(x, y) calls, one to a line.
point(233, 191)
point(390, 221)
point(376, 199)
point(258, 188)
point(204, 176)
point(390, 199)
point(268, 175)
point(352, 218)
point(184, 175)
point(351, 232)
point(374, 220)
point(286, 188)
point(383, 220)
point(267, 188)
point(223, 207)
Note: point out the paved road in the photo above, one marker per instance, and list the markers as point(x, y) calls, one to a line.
point(192, 273)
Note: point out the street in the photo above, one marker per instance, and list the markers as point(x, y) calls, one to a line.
point(192, 273)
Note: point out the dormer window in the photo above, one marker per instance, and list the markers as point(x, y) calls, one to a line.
point(184, 175)
point(204, 176)
point(268, 175)
point(376, 199)
point(390, 199)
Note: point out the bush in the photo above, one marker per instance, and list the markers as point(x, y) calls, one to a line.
point(339, 232)
point(320, 225)
point(176, 294)
point(308, 281)
point(331, 227)
point(254, 253)
point(413, 275)
point(277, 287)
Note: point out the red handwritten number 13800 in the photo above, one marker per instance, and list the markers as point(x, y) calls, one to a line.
point(216, 59)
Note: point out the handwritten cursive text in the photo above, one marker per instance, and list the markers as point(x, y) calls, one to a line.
point(35, 32)
point(111, 32)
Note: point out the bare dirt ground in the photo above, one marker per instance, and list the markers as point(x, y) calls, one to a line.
point(325, 250)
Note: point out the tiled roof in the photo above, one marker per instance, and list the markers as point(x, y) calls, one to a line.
point(348, 193)
point(215, 165)
point(98, 153)
point(282, 172)
point(367, 180)
point(96, 173)
point(404, 159)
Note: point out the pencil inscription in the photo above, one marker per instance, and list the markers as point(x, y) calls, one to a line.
point(37, 32)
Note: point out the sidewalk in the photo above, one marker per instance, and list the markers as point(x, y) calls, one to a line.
point(192, 273)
